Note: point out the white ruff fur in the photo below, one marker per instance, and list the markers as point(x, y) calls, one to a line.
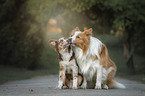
point(65, 62)
point(87, 65)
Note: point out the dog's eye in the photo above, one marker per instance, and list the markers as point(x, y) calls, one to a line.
point(78, 37)
point(61, 40)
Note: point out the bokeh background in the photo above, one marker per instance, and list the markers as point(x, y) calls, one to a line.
point(26, 26)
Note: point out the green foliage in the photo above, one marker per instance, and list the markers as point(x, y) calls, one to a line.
point(99, 17)
point(21, 38)
point(24, 40)
point(134, 10)
point(80, 5)
point(129, 14)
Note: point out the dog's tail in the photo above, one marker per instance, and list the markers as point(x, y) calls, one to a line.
point(115, 84)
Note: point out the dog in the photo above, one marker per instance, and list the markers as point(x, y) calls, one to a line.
point(94, 61)
point(67, 65)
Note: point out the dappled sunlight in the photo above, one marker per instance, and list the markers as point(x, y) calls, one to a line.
point(52, 26)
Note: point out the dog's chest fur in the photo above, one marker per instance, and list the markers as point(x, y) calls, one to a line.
point(87, 65)
point(67, 59)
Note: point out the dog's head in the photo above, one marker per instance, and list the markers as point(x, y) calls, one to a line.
point(81, 39)
point(61, 45)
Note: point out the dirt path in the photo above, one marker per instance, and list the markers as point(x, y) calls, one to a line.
point(45, 86)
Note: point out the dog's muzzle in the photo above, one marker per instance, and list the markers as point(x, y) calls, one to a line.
point(70, 40)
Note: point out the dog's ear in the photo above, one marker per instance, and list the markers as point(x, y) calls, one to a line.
point(77, 29)
point(88, 32)
point(73, 31)
point(53, 43)
point(61, 39)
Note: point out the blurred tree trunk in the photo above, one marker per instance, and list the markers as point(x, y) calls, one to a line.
point(129, 48)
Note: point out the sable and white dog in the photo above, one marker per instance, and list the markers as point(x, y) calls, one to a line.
point(94, 61)
point(67, 64)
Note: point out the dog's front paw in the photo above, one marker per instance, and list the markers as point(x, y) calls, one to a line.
point(105, 86)
point(84, 86)
point(65, 87)
point(58, 87)
point(74, 87)
point(98, 87)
